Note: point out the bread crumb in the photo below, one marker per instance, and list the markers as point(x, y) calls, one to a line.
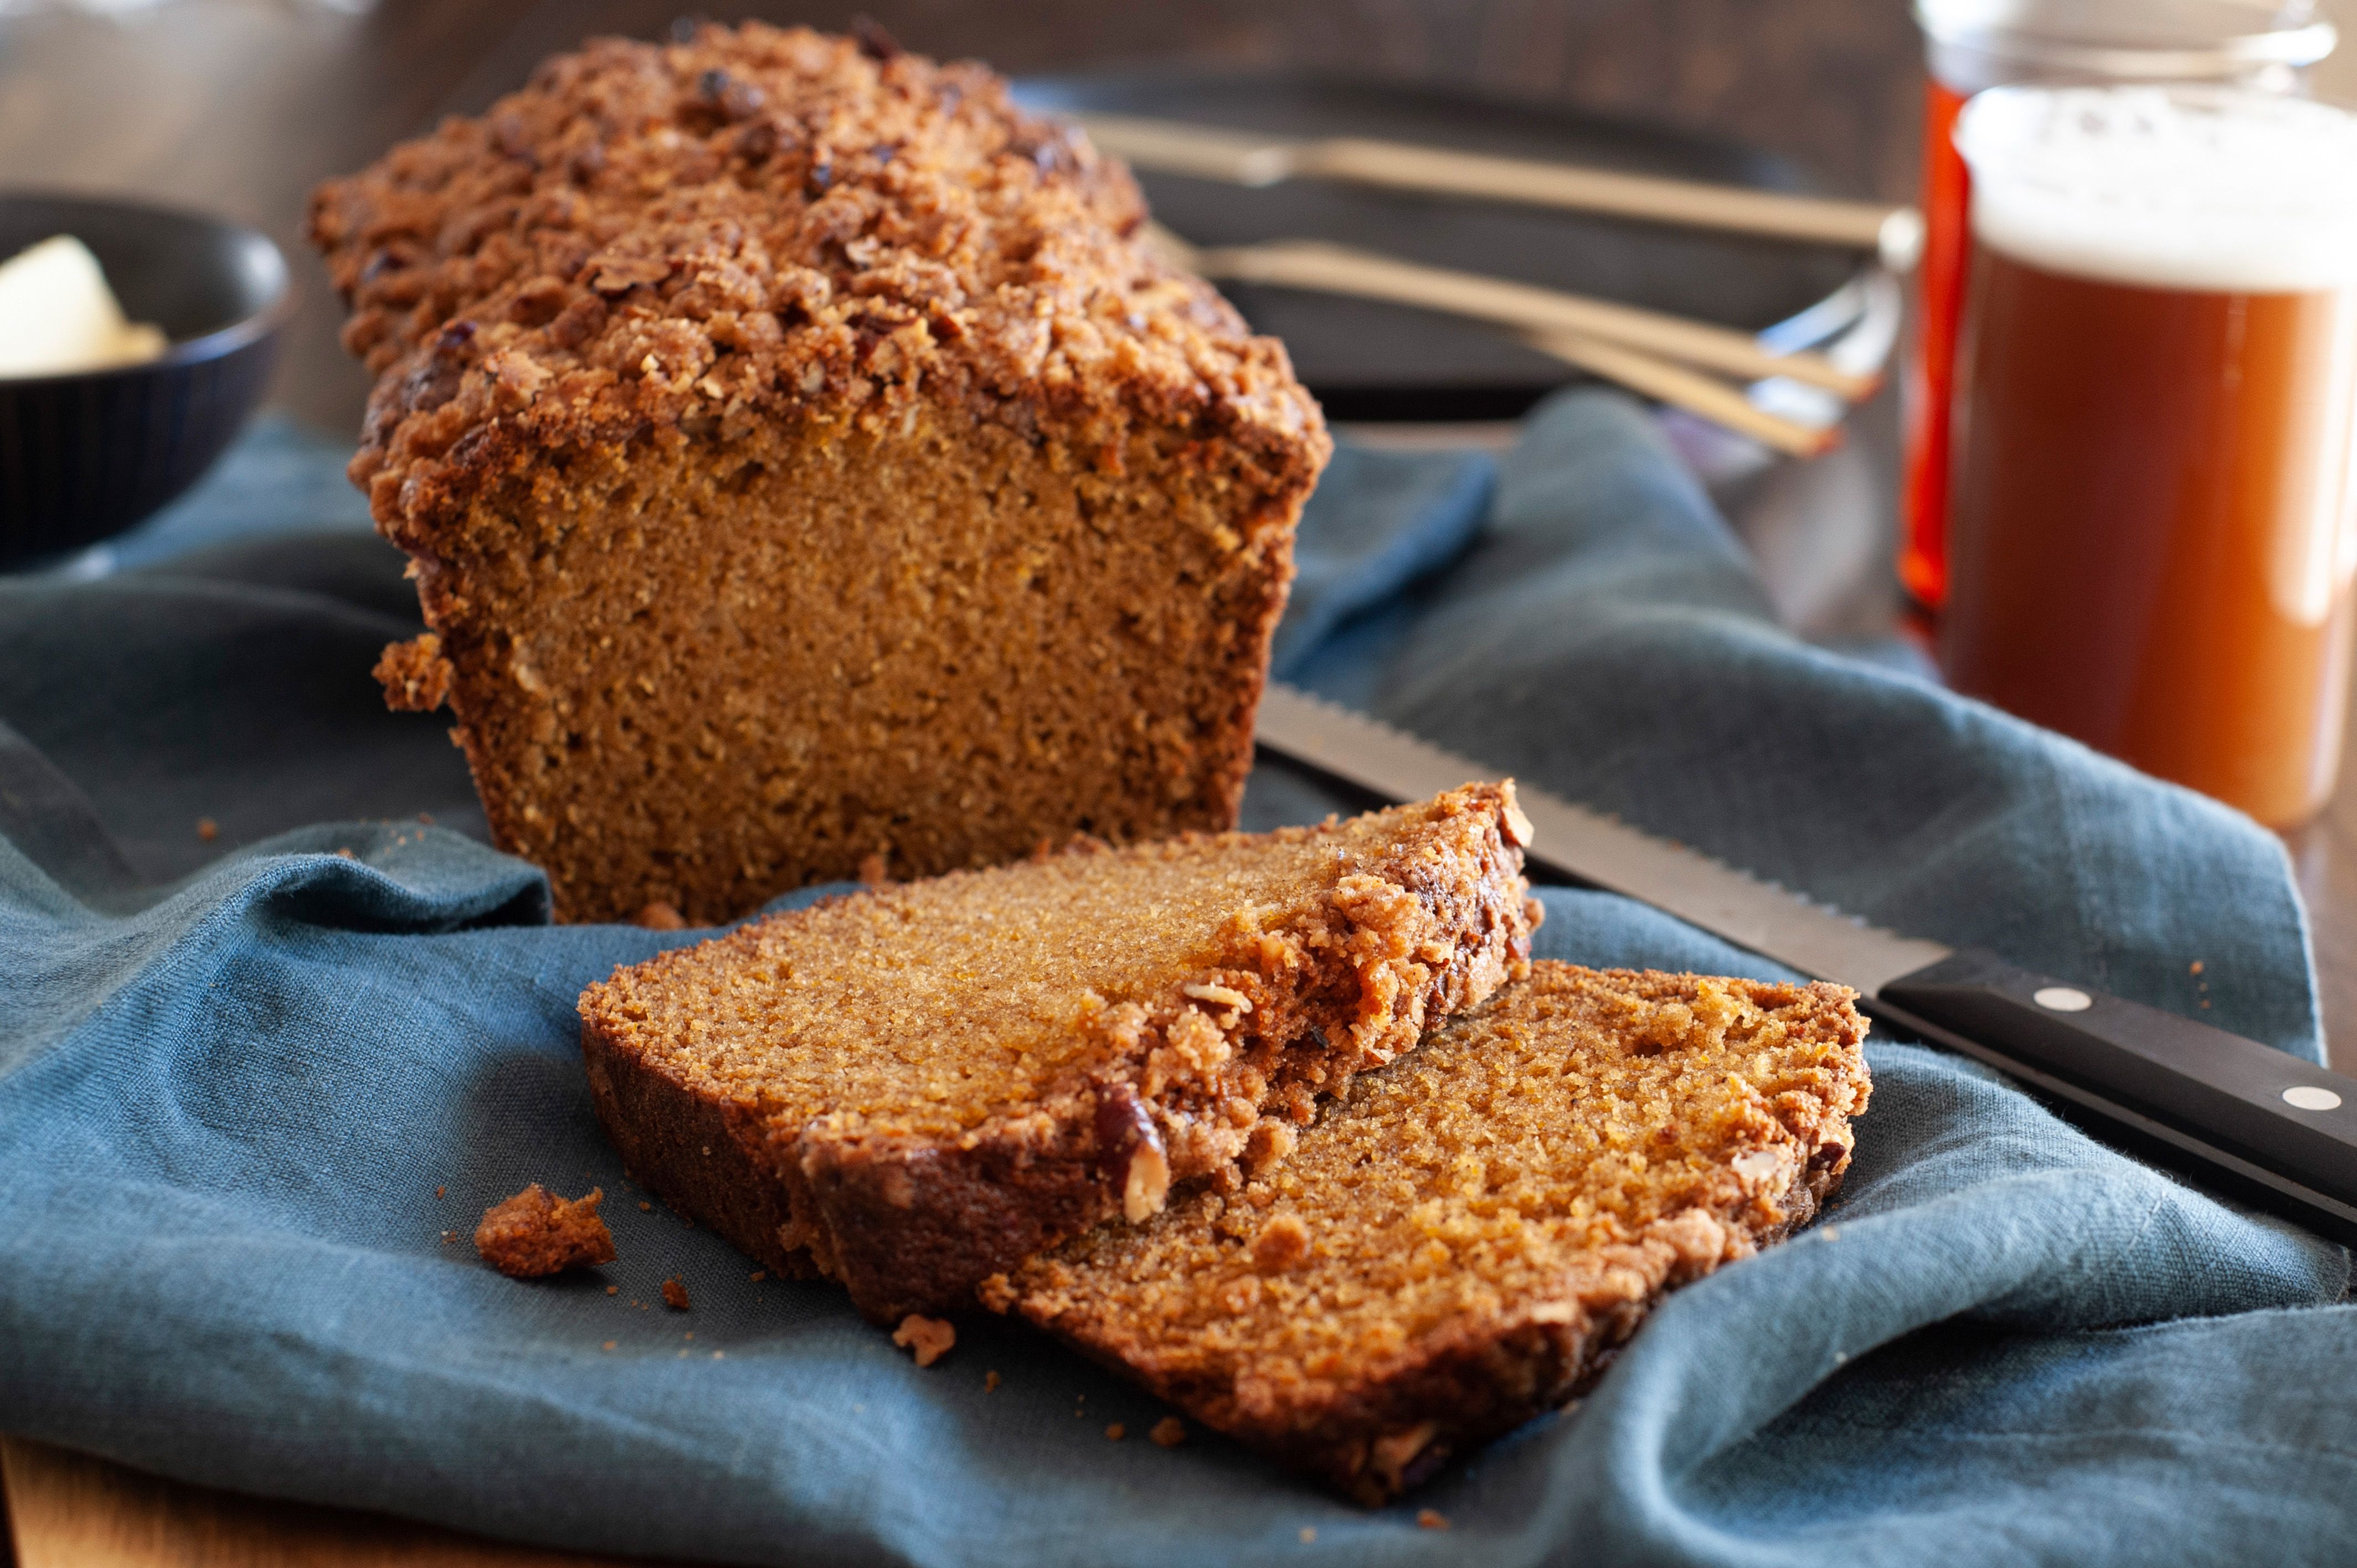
point(425, 817)
point(645, 1207)
point(1168, 1432)
point(1270, 1141)
point(345, 853)
point(674, 1294)
point(609, 1344)
point(613, 1290)
point(928, 1338)
point(660, 915)
point(2193, 968)
point(1115, 1433)
point(1282, 1242)
point(758, 1275)
point(416, 678)
point(990, 1381)
point(210, 830)
point(872, 873)
point(1431, 1519)
point(440, 1190)
point(536, 1233)
point(1309, 1534)
point(1220, 995)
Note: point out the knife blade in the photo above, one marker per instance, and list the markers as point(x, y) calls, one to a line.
point(2241, 1116)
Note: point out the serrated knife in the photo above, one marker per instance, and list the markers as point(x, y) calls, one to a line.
point(2264, 1125)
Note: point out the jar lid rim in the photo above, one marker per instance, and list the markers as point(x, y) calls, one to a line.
point(1986, 28)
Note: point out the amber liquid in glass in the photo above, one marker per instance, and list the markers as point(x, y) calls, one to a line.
point(2151, 500)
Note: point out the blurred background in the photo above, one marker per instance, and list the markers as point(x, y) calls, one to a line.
point(239, 106)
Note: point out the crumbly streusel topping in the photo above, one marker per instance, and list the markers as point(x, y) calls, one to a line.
point(696, 236)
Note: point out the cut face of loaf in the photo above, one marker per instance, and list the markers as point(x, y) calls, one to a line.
point(1465, 1238)
point(914, 1088)
point(702, 671)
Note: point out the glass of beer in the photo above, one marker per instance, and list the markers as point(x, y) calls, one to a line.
point(1974, 44)
point(2152, 505)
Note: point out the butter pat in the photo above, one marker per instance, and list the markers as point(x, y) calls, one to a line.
point(58, 316)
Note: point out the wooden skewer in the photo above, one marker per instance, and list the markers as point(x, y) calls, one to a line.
point(1697, 394)
point(1894, 233)
point(1337, 269)
point(1206, 152)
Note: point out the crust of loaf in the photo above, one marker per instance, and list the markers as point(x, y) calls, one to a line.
point(1372, 1430)
point(911, 1218)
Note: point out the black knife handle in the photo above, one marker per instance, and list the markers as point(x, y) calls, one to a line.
point(2249, 1103)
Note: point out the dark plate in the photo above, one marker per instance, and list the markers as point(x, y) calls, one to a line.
point(1369, 360)
point(86, 456)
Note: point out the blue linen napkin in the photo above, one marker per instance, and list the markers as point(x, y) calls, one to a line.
point(252, 1104)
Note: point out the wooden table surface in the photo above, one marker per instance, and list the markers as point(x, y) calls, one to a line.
point(240, 106)
point(70, 1510)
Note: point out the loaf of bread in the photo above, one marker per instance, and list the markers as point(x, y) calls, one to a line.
point(1465, 1238)
point(913, 1088)
point(801, 467)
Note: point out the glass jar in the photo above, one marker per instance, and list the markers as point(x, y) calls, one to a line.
point(2156, 431)
point(2264, 45)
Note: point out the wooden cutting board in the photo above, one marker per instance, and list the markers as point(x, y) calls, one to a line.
point(70, 1510)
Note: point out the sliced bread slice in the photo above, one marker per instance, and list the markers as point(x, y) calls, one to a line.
point(1465, 1238)
point(913, 1088)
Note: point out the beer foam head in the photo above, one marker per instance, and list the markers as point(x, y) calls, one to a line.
point(2190, 187)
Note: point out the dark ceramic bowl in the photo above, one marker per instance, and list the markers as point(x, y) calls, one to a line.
point(84, 457)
